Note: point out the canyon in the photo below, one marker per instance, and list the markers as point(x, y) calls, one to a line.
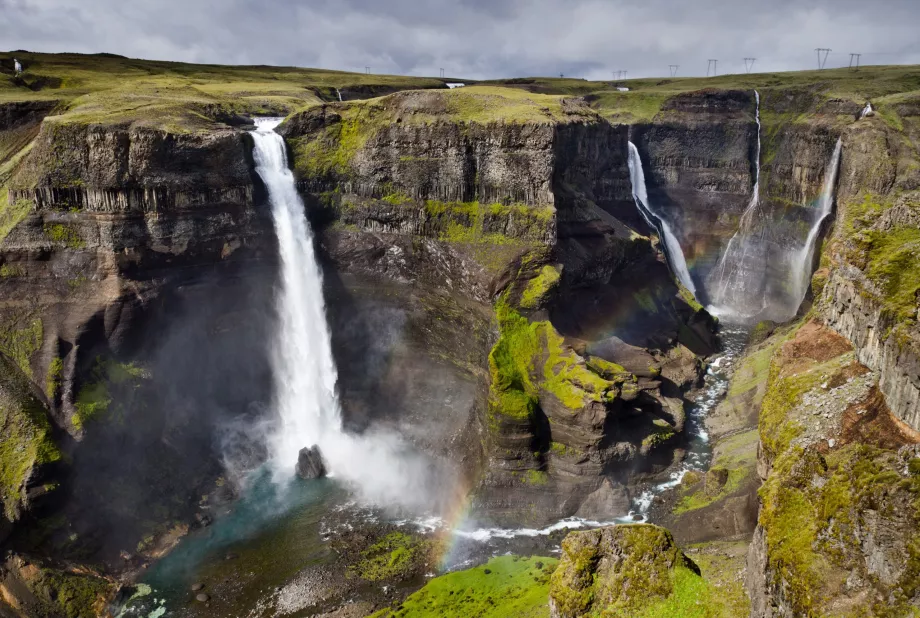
point(506, 312)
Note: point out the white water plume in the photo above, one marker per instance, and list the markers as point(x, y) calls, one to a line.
point(802, 264)
point(378, 465)
point(734, 287)
point(866, 110)
point(673, 250)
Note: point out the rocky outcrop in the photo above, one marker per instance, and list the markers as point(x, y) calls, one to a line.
point(310, 463)
point(839, 499)
point(619, 570)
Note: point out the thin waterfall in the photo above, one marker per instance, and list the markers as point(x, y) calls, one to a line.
point(801, 274)
point(339, 94)
point(673, 250)
point(733, 284)
point(866, 110)
point(377, 464)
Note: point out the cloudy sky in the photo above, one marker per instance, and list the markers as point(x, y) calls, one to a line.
point(475, 38)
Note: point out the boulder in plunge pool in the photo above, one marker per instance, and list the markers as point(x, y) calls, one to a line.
point(310, 463)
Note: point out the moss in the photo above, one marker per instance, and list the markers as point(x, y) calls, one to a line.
point(396, 556)
point(60, 233)
point(11, 214)
point(75, 595)
point(894, 265)
point(94, 398)
point(20, 344)
point(704, 497)
point(539, 288)
point(530, 359)
point(11, 270)
point(536, 477)
point(53, 378)
point(504, 586)
point(27, 435)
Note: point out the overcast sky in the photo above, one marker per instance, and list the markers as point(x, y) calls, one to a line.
point(475, 38)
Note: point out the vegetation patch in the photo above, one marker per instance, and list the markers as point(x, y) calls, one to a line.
point(20, 339)
point(505, 586)
point(60, 233)
point(94, 398)
point(71, 594)
point(395, 556)
point(530, 358)
point(540, 287)
point(27, 436)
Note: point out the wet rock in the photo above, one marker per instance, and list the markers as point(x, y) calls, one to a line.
point(197, 587)
point(310, 463)
point(202, 598)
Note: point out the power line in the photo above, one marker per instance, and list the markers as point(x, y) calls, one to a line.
point(822, 62)
point(856, 58)
point(673, 68)
point(749, 64)
point(713, 66)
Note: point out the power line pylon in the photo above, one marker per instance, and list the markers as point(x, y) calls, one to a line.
point(673, 68)
point(854, 58)
point(712, 66)
point(749, 64)
point(822, 61)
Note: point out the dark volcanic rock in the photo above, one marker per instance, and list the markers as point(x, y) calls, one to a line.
point(310, 463)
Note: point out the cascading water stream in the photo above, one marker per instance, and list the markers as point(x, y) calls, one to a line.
point(732, 283)
point(866, 110)
point(378, 465)
point(801, 275)
point(304, 371)
point(673, 249)
point(339, 94)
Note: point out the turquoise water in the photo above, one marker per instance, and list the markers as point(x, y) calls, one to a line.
point(272, 533)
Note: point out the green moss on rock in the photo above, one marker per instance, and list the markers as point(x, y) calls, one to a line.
point(20, 339)
point(27, 442)
point(540, 287)
point(504, 586)
point(626, 571)
point(396, 556)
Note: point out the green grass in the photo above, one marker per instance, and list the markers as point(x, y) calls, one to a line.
point(20, 339)
point(396, 555)
point(505, 586)
point(94, 399)
point(177, 96)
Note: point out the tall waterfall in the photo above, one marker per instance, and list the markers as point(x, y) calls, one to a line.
point(308, 410)
point(338, 94)
point(673, 250)
point(801, 273)
point(733, 287)
point(304, 371)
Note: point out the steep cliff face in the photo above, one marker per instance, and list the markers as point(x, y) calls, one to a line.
point(870, 291)
point(699, 155)
point(838, 520)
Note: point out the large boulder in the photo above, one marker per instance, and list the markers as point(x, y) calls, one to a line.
point(310, 463)
point(618, 570)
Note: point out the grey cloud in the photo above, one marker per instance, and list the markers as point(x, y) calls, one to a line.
point(475, 38)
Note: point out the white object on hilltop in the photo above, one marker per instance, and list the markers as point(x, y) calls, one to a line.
point(673, 250)
point(304, 372)
point(17, 68)
point(453, 85)
point(622, 88)
point(867, 110)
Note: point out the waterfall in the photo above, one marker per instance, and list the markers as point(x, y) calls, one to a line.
point(673, 251)
point(801, 274)
point(866, 110)
point(735, 286)
point(304, 370)
point(339, 94)
point(377, 465)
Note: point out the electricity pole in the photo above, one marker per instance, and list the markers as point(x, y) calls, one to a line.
point(367, 70)
point(713, 66)
point(825, 51)
point(673, 68)
point(749, 64)
point(854, 57)
point(442, 72)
